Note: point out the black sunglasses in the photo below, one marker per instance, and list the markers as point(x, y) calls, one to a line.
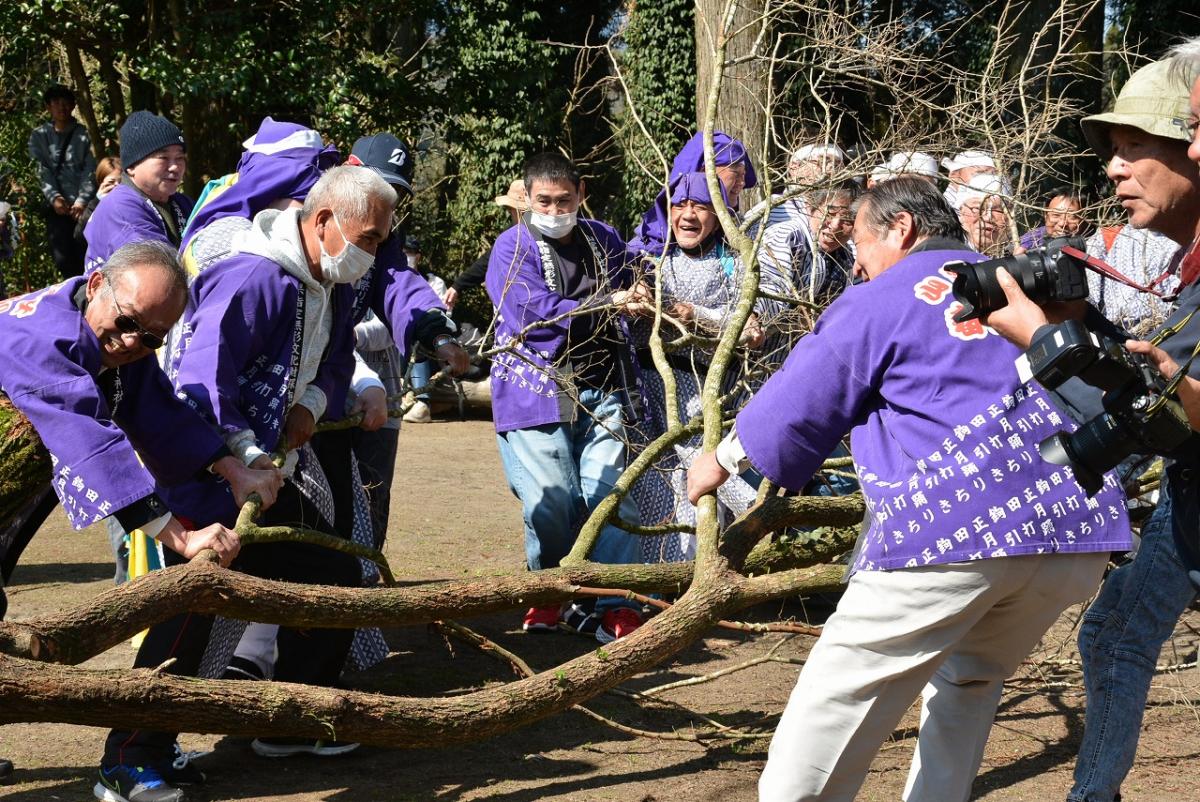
point(127, 324)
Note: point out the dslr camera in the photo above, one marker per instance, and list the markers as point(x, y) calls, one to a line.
point(1137, 419)
point(1045, 274)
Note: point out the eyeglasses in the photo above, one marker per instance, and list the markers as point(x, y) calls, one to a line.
point(127, 324)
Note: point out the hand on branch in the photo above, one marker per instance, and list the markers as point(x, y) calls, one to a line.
point(260, 477)
point(372, 403)
point(298, 428)
point(637, 300)
point(683, 312)
point(190, 542)
point(753, 335)
point(455, 356)
point(705, 476)
point(225, 542)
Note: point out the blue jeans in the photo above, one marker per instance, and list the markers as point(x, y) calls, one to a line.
point(560, 472)
point(1120, 639)
point(422, 371)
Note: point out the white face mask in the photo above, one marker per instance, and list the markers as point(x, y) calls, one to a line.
point(348, 266)
point(555, 226)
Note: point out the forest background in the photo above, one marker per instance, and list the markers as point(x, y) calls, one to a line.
point(478, 85)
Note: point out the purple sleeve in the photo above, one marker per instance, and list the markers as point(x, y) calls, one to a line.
point(519, 292)
point(96, 472)
point(401, 298)
point(333, 376)
point(173, 441)
point(797, 418)
point(224, 339)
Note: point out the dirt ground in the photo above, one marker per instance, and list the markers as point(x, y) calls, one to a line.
point(453, 516)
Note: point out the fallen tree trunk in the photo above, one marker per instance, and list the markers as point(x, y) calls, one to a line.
point(24, 461)
point(34, 691)
point(25, 494)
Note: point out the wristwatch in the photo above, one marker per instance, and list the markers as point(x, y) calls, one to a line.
point(443, 339)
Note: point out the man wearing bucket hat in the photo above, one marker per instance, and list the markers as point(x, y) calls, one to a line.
point(146, 205)
point(517, 203)
point(1145, 139)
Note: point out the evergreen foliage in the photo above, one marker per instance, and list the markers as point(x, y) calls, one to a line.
point(658, 64)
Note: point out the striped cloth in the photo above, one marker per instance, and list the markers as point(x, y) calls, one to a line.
point(1144, 256)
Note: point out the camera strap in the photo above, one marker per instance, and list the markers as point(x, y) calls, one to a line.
point(1182, 372)
point(1108, 271)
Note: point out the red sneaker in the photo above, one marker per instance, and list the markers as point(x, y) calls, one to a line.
point(617, 624)
point(541, 619)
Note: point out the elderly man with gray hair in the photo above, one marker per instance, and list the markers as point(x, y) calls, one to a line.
point(966, 561)
point(267, 350)
point(1152, 148)
point(78, 367)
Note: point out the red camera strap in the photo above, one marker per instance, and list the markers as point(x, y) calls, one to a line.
point(1108, 271)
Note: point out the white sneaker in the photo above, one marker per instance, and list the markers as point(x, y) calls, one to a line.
point(419, 414)
point(287, 747)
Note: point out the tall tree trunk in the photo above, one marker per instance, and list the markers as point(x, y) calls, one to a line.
point(741, 110)
point(112, 85)
point(83, 92)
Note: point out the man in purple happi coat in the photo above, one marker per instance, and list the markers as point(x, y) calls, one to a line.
point(146, 205)
point(266, 351)
point(395, 310)
point(561, 387)
point(79, 368)
point(974, 544)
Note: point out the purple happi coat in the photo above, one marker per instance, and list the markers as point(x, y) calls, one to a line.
point(521, 282)
point(126, 215)
point(238, 356)
point(397, 294)
point(944, 433)
point(50, 373)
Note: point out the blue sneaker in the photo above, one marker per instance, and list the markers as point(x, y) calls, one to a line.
point(134, 784)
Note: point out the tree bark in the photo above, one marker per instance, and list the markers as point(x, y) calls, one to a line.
point(741, 112)
point(112, 85)
point(83, 92)
point(24, 463)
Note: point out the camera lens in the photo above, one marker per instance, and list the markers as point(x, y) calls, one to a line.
point(1092, 450)
point(976, 288)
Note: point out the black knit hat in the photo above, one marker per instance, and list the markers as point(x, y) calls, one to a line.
point(143, 133)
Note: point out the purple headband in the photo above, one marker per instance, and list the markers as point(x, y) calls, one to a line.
point(726, 150)
point(694, 187)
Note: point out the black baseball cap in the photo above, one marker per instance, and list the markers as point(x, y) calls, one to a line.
point(386, 155)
